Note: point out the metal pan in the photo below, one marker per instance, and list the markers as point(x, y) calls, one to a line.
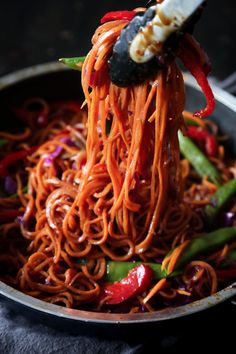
point(52, 81)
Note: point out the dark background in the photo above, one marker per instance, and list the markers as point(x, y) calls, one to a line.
point(33, 32)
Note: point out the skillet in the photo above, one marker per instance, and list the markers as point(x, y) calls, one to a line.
point(53, 81)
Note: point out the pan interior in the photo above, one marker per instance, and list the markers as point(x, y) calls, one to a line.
point(51, 83)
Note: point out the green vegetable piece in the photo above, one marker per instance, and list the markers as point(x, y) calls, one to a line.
point(220, 198)
point(206, 243)
point(3, 142)
point(119, 270)
point(73, 63)
point(199, 246)
point(231, 255)
point(198, 160)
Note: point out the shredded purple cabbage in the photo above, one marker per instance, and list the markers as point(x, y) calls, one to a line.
point(20, 220)
point(74, 167)
point(68, 141)
point(48, 161)
point(158, 260)
point(10, 185)
point(142, 308)
point(227, 219)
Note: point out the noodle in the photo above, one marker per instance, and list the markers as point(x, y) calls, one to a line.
point(94, 195)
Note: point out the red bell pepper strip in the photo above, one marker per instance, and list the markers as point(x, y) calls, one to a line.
point(196, 68)
point(118, 15)
point(8, 215)
point(195, 47)
point(199, 134)
point(14, 157)
point(137, 281)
